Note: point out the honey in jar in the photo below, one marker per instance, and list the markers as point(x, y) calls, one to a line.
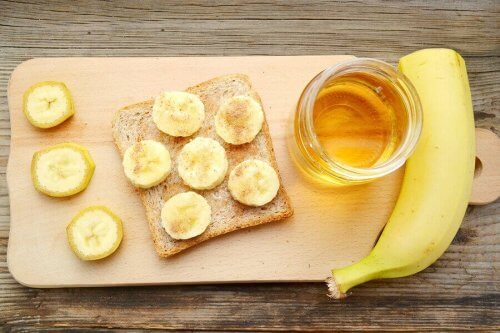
point(355, 122)
point(359, 120)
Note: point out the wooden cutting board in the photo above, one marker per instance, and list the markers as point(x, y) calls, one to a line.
point(330, 228)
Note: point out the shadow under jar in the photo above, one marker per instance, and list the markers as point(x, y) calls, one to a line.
point(355, 122)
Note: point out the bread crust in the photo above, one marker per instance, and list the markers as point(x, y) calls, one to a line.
point(133, 123)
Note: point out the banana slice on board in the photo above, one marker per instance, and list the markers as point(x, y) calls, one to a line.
point(253, 183)
point(186, 215)
point(146, 163)
point(202, 163)
point(239, 120)
point(94, 233)
point(47, 104)
point(62, 170)
point(178, 113)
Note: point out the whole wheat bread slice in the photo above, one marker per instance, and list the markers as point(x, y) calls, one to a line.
point(134, 123)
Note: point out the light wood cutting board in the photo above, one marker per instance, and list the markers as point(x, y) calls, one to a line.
point(330, 228)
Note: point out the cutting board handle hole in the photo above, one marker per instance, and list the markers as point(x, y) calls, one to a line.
point(478, 168)
point(486, 185)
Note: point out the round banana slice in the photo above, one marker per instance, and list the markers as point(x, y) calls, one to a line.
point(47, 104)
point(94, 233)
point(202, 163)
point(146, 163)
point(239, 120)
point(62, 170)
point(178, 113)
point(186, 215)
point(253, 183)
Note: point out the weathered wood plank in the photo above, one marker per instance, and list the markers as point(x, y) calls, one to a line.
point(459, 292)
point(366, 27)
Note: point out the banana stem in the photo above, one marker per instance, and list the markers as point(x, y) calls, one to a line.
point(347, 277)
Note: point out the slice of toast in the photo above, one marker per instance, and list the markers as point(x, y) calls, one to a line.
point(134, 123)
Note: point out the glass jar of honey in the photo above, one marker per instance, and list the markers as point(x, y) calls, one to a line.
point(355, 122)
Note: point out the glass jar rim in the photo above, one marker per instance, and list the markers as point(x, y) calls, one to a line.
point(408, 94)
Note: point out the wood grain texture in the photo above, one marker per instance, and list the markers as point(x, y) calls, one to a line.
point(459, 292)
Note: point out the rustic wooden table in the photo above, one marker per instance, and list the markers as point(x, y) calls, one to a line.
point(460, 292)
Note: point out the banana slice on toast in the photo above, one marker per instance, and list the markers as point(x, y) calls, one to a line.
point(94, 233)
point(202, 163)
point(47, 104)
point(146, 163)
point(178, 113)
point(186, 215)
point(253, 183)
point(62, 170)
point(239, 120)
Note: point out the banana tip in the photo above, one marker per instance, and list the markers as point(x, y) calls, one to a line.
point(333, 289)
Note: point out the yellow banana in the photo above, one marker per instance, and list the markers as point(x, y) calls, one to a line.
point(62, 170)
point(94, 233)
point(438, 178)
point(47, 104)
point(239, 120)
point(253, 183)
point(186, 215)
